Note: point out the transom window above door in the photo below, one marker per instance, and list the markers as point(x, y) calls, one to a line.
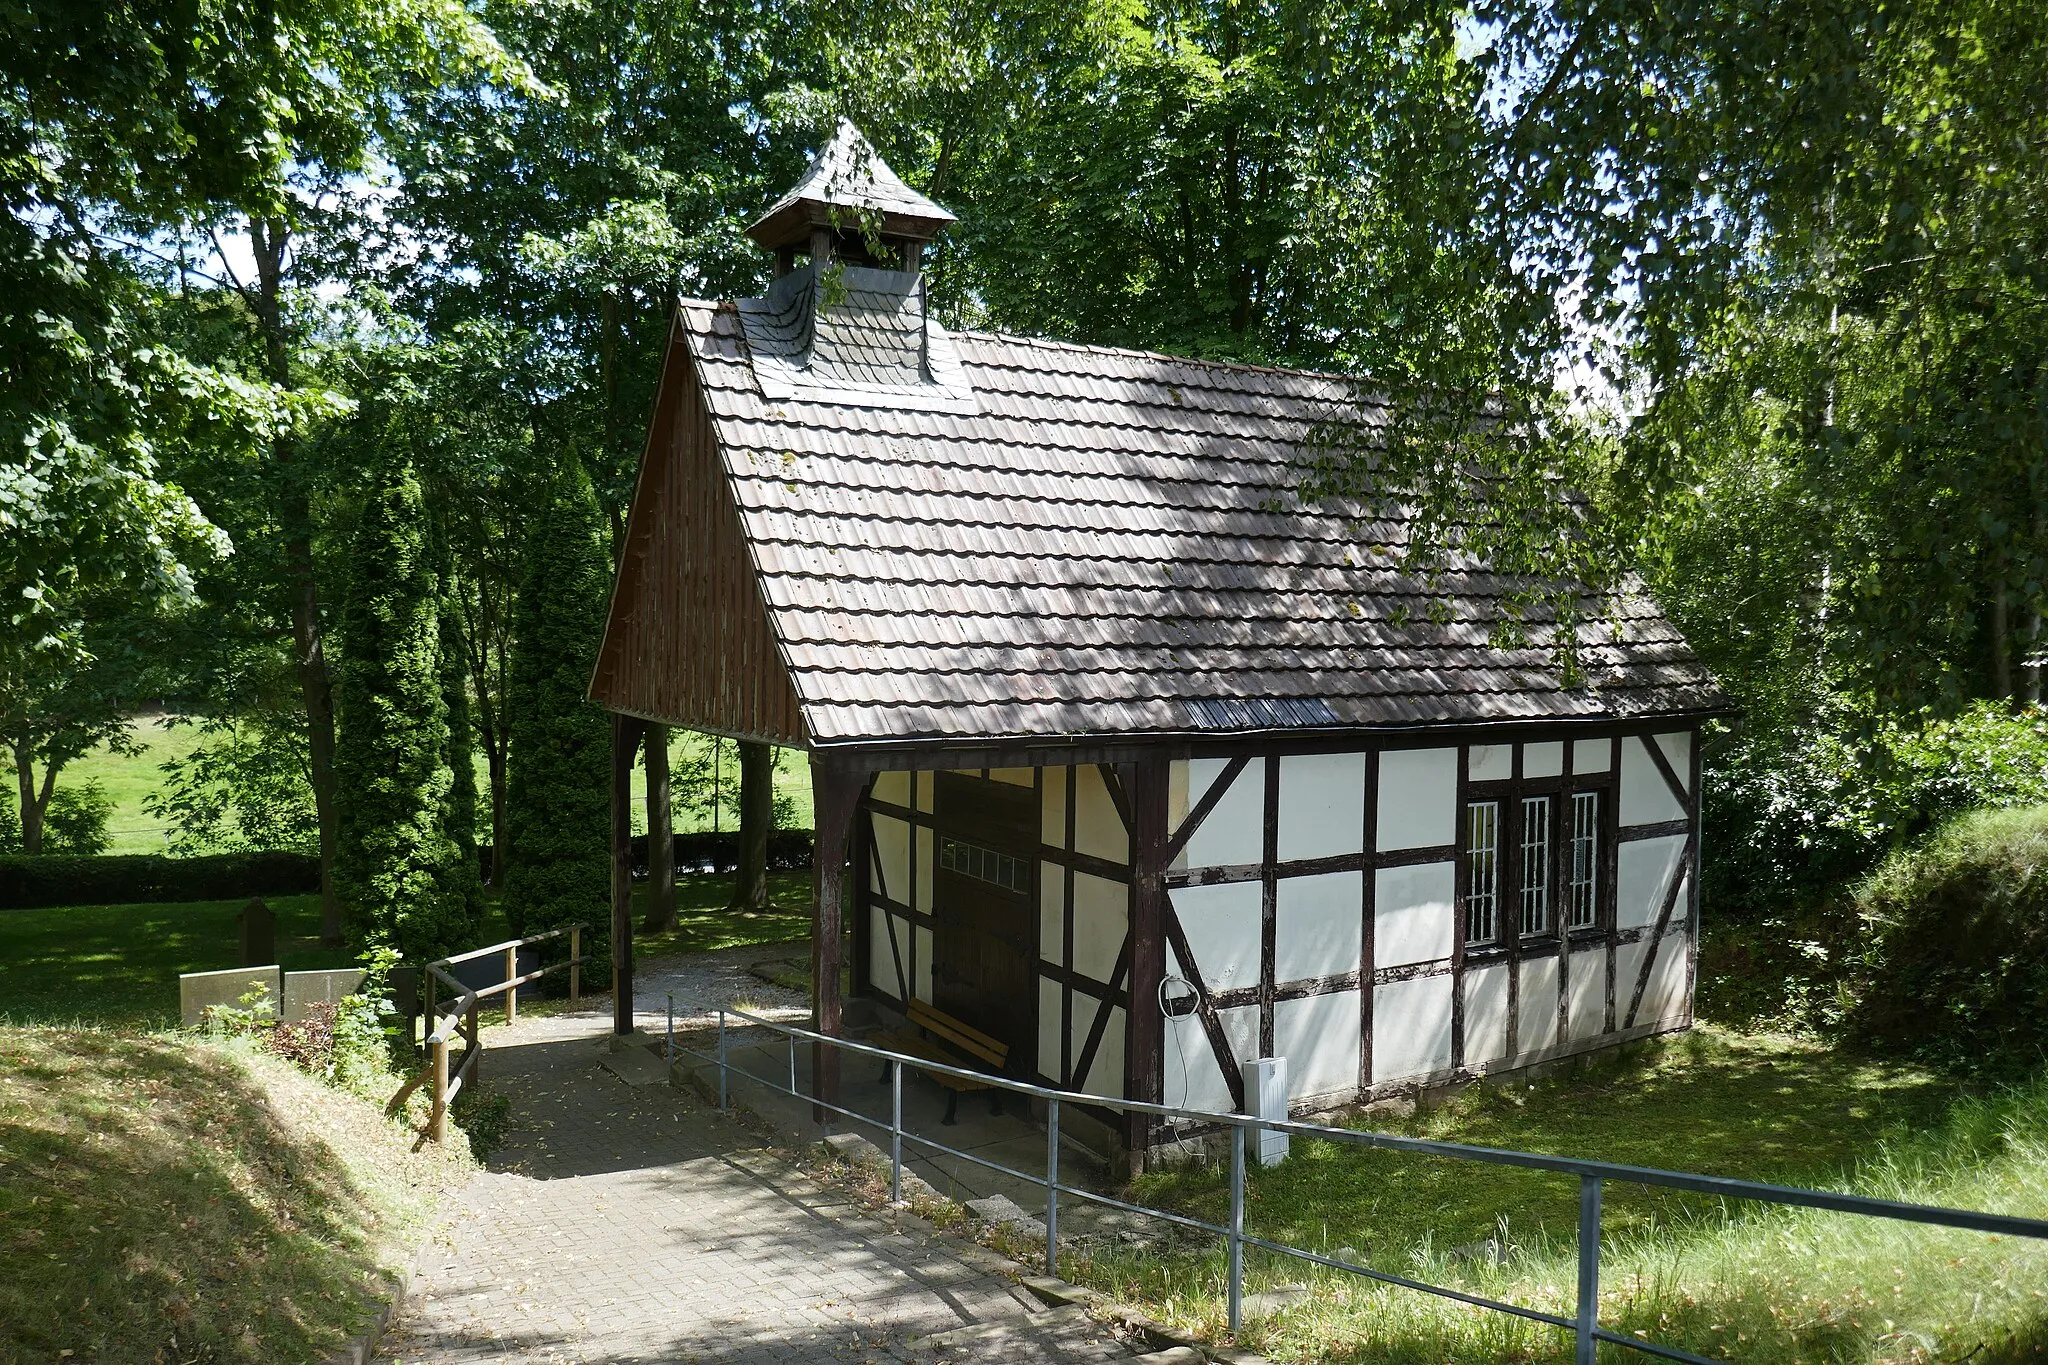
point(990, 865)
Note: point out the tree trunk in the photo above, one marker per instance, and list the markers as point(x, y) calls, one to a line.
point(32, 805)
point(2001, 641)
point(2033, 656)
point(267, 241)
point(661, 842)
point(757, 820)
point(494, 758)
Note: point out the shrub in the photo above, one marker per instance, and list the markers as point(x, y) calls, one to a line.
point(74, 823)
point(130, 878)
point(1802, 817)
point(558, 798)
point(1951, 966)
point(402, 875)
point(306, 1043)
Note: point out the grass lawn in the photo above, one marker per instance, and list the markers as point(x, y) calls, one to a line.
point(703, 925)
point(118, 965)
point(165, 1199)
point(1739, 1283)
point(129, 778)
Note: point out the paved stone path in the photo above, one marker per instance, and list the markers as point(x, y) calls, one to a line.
point(635, 1223)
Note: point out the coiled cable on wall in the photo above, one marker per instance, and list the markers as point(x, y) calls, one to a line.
point(1167, 1018)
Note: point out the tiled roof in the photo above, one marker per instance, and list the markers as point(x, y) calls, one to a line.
point(1107, 544)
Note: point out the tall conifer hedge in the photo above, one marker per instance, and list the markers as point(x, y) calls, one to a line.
point(400, 873)
point(557, 798)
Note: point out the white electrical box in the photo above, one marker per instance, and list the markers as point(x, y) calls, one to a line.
point(1265, 1095)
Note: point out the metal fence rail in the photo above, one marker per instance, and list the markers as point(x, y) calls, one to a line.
point(1592, 1176)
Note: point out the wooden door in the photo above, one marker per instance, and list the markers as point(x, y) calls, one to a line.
point(985, 910)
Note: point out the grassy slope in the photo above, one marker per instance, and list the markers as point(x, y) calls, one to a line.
point(128, 779)
point(162, 1199)
point(1764, 1287)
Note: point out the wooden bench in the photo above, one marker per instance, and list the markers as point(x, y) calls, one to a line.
point(950, 1043)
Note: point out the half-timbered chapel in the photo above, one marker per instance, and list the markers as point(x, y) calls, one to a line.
point(1122, 753)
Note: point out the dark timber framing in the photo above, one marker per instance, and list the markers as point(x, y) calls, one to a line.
point(626, 733)
point(1135, 780)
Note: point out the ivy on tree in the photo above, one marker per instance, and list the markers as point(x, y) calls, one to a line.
point(403, 878)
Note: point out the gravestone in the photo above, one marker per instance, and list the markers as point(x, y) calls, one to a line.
point(259, 934)
point(305, 988)
point(198, 990)
point(405, 991)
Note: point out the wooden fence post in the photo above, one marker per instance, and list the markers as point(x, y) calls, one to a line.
point(437, 1122)
point(575, 965)
point(511, 991)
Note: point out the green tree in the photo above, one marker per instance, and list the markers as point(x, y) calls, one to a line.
point(404, 877)
point(459, 814)
point(558, 868)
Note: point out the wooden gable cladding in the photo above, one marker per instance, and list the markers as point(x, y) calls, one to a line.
point(688, 641)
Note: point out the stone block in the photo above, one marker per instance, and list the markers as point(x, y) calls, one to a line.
point(199, 991)
point(1004, 1212)
point(854, 1149)
point(305, 988)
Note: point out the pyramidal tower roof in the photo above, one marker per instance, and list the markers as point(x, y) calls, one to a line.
point(846, 180)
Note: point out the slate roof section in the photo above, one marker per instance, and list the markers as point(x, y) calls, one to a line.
point(853, 334)
point(846, 179)
point(1108, 547)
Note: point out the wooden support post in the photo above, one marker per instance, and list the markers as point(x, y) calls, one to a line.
point(575, 966)
point(625, 740)
point(437, 1120)
point(835, 793)
point(1144, 785)
point(661, 843)
point(511, 991)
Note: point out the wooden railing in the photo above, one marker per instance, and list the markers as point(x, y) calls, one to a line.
point(460, 1020)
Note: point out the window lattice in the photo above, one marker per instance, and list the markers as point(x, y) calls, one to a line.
point(1535, 864)
point(1482, 859)
point(1584, 889)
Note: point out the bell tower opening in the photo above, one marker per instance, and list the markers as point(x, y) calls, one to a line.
point(849, 206)
point(845, 318)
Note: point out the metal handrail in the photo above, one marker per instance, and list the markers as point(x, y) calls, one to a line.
point(1592, 1175)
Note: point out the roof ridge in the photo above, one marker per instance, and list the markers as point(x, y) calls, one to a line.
point(1241, 366)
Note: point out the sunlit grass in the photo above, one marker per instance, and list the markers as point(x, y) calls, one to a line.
point(118, 965)
point(128, 779)
point(1741, 1282)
